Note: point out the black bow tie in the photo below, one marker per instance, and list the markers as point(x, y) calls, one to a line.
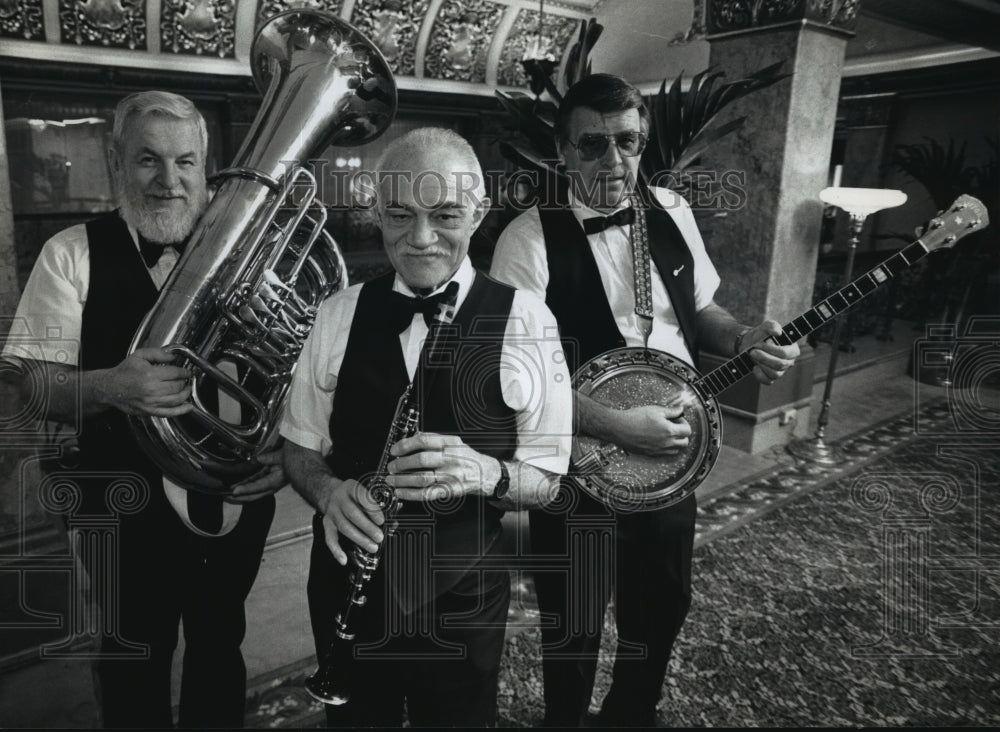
point(432, 307)
point(151, 251)
point(600, 223)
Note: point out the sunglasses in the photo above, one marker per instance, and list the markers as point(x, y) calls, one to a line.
point(592, 147)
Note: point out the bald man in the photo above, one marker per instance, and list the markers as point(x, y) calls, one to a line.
point(495, 423)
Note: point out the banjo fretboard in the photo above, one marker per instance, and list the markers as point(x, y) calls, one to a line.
point(718, 380)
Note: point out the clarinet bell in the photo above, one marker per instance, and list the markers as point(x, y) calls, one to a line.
point(324, 686)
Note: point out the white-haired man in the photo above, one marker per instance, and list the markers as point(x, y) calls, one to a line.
point(180, 556)
point(495, 423)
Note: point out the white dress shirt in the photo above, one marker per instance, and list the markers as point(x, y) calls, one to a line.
point(534, 379)
point(520, 260)
point(49, 316)
point(49, 321)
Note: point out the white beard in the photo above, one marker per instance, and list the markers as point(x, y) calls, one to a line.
point(158, 226)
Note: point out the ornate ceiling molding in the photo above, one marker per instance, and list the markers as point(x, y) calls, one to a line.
point(558, 32)
point(728, 16)
point(393, 26)
point(199, 27)
point(108, 23)
point(455, 45)
point(22, 19)
point(460, 39)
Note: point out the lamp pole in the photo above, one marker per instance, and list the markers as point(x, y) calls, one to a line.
point(858, 203)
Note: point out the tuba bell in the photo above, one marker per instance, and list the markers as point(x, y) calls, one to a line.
point(241, 301)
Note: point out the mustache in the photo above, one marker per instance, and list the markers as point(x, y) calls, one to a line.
point(431, 251)
point(167, 194)
point(156, 223)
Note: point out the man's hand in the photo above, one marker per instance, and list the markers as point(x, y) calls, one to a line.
point(771, 361)
point(349, 510)
point(146, 383)
point(429, 467)
point(269, 479)
point(650, 430)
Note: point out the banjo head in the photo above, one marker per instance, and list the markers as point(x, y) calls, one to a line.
point(634, 377)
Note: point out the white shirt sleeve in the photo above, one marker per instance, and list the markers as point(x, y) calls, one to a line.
point(306, 420)
point(520, 259)
point(535, 383)
point(49, 319)
point(49, 316)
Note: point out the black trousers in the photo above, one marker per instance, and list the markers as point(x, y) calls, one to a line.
point(441, 661)
point(645, 559)
point(166, 574)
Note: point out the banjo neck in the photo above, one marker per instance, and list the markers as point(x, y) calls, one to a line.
point(965, 215)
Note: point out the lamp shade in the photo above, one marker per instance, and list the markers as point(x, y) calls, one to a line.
point(862, 201)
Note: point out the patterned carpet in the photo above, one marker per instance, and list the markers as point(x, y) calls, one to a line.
point(866, 596)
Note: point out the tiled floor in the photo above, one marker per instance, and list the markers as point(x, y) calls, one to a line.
point(871, 386)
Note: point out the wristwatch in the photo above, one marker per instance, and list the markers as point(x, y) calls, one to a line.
point(503, 485)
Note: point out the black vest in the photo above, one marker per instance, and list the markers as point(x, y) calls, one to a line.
point(121, 292)
point(119, 296)
point(575, 292)
point(460, 395)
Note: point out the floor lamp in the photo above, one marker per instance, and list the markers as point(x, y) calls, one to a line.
point(859, 203)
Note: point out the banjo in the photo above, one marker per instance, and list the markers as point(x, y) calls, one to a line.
point(633, 377)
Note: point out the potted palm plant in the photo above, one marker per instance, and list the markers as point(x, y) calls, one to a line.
point(683, 124)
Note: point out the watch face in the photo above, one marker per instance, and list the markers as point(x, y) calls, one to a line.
point(504, 483)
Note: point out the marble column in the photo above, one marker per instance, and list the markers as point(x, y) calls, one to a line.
point(766, 248)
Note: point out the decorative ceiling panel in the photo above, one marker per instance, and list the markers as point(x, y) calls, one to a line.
point(557, 31)
point(730, 15)
point(472, 46)
point(393, 26)
point(840, 13)
point(460, 40)
point(199, 27)
point(267, 8)
point(22, 19)
point(109, 23)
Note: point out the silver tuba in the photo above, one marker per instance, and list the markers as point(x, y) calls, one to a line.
point(240, 303)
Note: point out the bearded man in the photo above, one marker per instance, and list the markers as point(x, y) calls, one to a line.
point(180, 556)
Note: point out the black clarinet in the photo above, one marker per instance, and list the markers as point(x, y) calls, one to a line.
point(330, 683)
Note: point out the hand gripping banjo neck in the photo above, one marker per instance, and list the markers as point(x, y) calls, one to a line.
point(631, 377)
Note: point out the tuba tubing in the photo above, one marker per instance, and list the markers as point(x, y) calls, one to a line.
point(241, 301)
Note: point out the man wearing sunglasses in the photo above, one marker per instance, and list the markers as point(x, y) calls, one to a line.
point(575, 249)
